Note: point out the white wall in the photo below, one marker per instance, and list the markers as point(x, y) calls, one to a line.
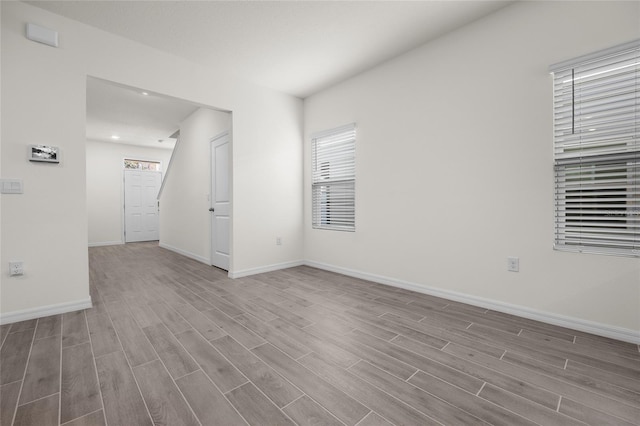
point(43, 101)
point(185, 221)
point(105, 186)
point(267, 187)
point(455, 168)
point(1, 175)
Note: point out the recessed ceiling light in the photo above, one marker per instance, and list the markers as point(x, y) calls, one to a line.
point(145, 93)
point(592, 130)
point(115, 137)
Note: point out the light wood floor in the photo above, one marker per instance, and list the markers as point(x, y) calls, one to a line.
point(173, 342)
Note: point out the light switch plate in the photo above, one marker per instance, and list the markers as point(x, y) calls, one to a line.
point(11, 186)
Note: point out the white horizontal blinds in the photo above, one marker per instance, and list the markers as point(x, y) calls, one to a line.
point(597, 152)
point(333, 178)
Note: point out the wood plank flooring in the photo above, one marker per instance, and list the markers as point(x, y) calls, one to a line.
point(171, 341)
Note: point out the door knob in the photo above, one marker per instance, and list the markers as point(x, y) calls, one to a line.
point(211, 209)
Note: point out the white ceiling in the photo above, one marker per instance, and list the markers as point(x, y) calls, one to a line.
point(137, 119)
point(297, 47)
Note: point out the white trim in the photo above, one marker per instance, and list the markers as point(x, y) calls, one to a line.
point(600, 329)
point(106, 243)
point(45, 311)
point(266, 268)
point(185, 253)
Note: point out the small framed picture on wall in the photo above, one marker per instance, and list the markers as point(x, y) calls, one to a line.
point(44, 153)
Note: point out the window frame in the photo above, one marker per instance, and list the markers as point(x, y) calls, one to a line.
point(596, 125)
point(333, 188)
point(140, 162)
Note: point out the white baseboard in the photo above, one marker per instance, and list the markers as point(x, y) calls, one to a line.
point(605, 330)
point(106, 243)
point(44, 311)
point(185, 253)
point(267, 268)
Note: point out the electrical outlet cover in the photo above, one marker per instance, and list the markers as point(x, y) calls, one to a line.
point(15, 268)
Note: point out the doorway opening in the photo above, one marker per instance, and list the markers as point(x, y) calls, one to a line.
point(149, 171)
point(220, 201)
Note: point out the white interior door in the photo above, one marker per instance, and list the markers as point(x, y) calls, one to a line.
point(220, 202)
point(141, 220)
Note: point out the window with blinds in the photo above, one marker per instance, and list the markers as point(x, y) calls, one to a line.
point(333, 177)
point(596, 113)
